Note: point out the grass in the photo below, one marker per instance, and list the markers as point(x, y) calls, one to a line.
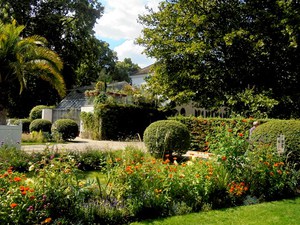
point(285, 212)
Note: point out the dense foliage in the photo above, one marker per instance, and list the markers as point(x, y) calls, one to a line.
point(132, 185)
point(201, 128)
point(118, 121)
point(40, 125)
point(268, 133)
point(25, 124)
point(21, 59)
point(212, 51)
point(167, 137)
point(36, 111)
point(65, 129)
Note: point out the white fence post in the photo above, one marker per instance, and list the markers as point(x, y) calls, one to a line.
point(280, 144)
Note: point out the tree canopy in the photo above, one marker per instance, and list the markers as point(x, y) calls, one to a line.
point(68, 27)
point(21, 58)
point(211, 51)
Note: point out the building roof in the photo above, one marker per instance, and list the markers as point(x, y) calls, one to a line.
point(75, 99)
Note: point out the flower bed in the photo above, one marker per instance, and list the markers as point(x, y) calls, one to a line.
point(134, 186)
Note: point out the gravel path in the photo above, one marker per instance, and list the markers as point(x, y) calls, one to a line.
point(85, 144)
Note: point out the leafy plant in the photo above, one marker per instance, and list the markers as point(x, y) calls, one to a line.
point(165, 137)
point(40, 125)
point(65, 129)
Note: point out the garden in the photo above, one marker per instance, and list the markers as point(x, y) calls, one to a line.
point(124, 186)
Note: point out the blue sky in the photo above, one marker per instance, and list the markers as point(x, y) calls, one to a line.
point(119, 27)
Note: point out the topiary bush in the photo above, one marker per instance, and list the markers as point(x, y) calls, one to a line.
point(66, 129)
point(36, 112)
point(40, 125)
point(267, 133)
point(167, 137)
point(25, 124)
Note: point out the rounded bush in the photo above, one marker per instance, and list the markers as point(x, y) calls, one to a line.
point(67, 129)
point(36, 112)
point(40, 125)
point(267, 133)
point(167, 137)
point(25, 124)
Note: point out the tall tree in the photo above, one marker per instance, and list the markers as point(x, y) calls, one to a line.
point(207, 51)
point(66, 24)
point(68, 27)
point(124, 69)
point(21, 58)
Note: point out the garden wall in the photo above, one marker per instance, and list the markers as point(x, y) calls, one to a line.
point(11, 135)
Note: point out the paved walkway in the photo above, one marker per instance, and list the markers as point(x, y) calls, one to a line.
point(85, 144)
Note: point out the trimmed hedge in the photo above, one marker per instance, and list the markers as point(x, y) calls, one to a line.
point(267, 133)
point(25, 124)
point(166, 137)
point(118, 122)
point(40, 125)
point(67, 129)
point(200, 128)
point(36, 112)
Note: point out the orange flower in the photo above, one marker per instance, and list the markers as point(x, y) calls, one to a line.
point(23, 192)
point(279, 172)
point(32, 197)
point(224, 158)
point(244, 120)
point(17, 179)
point(271, 174)
point(13, 205)
point(241, 134)
point(229, 130)
point(48, 220)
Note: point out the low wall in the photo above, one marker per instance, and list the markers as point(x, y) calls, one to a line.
point(11, 135)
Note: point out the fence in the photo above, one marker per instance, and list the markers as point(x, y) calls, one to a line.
point(55, 114)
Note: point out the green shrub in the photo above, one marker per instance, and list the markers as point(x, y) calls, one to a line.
point(36, 112)
point(40, 125)
point(167, 136)
point(25, 124)
point(267, 133)
point(66, 129)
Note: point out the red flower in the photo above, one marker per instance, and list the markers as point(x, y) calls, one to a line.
point(13, 205)
point(17, 179)
point(241, 134)
point(224, 158)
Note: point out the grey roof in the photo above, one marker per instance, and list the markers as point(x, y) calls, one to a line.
point(75, 99)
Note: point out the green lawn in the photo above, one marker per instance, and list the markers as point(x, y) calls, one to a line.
point(286, 212)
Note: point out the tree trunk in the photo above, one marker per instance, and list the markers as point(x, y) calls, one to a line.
point(3, 103)
point(3, 115)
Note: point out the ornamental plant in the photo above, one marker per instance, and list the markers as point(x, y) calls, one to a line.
point(267, 133)
point(19, 201)
point(65, 129)
point(167, 137)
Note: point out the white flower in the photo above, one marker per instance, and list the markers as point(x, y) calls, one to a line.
point(31, 168)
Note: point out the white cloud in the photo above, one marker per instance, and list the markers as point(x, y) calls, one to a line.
point(120, 18)
point(129, 50)
point(119, 22)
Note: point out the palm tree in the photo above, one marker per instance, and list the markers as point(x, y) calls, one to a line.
point(24, 57)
